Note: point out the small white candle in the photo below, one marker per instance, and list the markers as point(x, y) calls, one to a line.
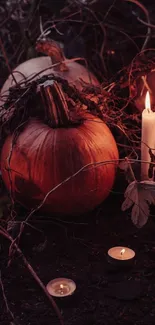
point(148, 137)
point(61, 287)
point(120, 253)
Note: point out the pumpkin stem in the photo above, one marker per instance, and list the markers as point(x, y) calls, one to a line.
point(56, 107)
point(52, 49)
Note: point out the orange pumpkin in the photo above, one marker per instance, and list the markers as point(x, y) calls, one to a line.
point(43, 156)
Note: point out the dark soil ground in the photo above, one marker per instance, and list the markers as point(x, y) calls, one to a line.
point(77, 249)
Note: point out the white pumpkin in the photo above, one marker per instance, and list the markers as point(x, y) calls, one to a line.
point(40, 66)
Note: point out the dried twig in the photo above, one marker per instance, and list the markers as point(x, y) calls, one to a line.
point(6, 302)
point(5, 234)
point(6, 60)
point(148, 35)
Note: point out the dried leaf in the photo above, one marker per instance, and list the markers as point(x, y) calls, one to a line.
point(130, 196)
point(140, 195)
point(125, 166)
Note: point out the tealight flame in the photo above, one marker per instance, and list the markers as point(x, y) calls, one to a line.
point(148, 102)
point(122, 251)
point(61, 286)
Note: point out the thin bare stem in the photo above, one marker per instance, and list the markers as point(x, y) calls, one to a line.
point(145, 23)
point(6, 60)
point(148, 35)
point(5, 234)
point(130, 169)
point(6, 301)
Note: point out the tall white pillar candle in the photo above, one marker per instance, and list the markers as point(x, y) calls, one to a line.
point(148, 137)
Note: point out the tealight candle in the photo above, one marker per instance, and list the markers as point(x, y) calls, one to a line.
point(121, 255)
point(61, 287)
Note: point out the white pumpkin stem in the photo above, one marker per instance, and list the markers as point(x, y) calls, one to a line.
point(52, 49)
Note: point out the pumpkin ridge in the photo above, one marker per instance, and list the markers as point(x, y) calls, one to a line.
point(106, 167)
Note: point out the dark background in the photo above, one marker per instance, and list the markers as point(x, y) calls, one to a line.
point(109, 39)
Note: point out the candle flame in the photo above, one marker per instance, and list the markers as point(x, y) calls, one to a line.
point(122, 251)
point(148, 102)
point(61, 286)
